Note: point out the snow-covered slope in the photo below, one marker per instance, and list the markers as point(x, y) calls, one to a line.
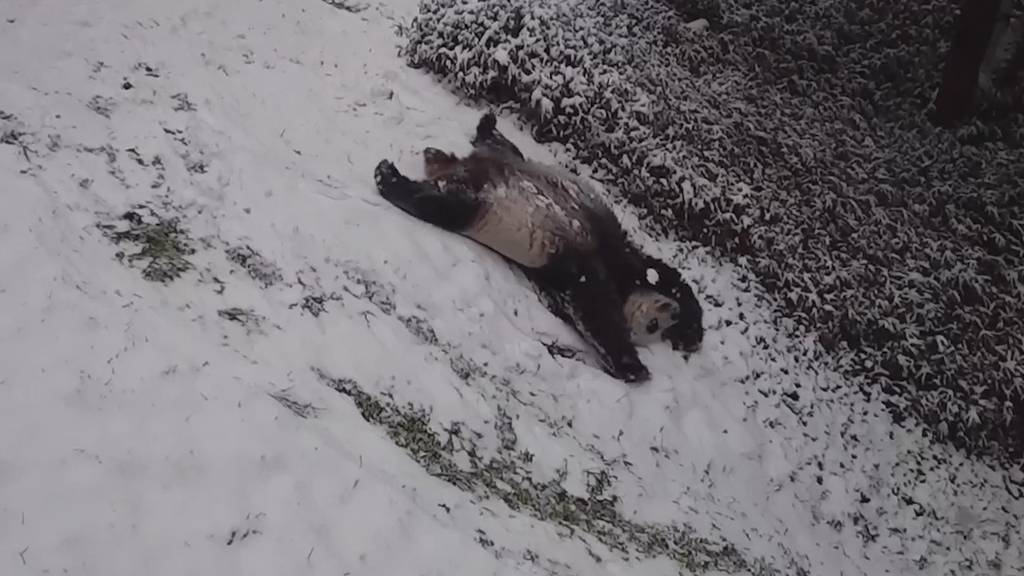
point(322, 385)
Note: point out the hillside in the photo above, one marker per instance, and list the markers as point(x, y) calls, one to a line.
point(222, 353)
point(796, 139)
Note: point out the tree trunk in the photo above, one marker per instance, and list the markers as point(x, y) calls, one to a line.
point(960, 77)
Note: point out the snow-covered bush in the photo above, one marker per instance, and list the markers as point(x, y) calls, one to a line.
point(794, 135)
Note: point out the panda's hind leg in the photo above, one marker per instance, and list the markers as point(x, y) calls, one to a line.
point(452, 210)
point(487, 135)
point(589, 297)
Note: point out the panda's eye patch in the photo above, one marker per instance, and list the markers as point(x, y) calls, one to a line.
point(653, 326)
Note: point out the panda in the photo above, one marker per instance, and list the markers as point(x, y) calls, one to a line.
point(565, 240)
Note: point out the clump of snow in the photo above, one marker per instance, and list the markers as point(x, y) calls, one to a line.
point(793, 138)
point(652, 276)
point(332, 387)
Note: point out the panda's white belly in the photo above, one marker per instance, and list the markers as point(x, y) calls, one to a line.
point(524, 224)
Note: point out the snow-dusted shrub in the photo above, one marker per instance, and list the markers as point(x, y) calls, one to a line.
point(901, 244)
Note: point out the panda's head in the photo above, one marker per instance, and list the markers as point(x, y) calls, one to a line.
point(664, 307)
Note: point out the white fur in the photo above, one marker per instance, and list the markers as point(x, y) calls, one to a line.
point(515, 223)
point(643, 306)
point(528, 215)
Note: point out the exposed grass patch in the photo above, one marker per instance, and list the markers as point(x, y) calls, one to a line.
point(245, 317)
point(301, 409)
point(160, 243)
point(316, 304)
point(102, 105)
point(506, 476)
point(263, 271)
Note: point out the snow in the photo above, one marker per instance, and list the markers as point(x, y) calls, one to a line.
point(139, 429)
point(724, 118)
point(652, 276)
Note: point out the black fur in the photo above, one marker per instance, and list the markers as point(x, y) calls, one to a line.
point(627, 266)
point(581, 291)
point(451, 210)
point(584, 287)
point(487, 135)
point(688, 332)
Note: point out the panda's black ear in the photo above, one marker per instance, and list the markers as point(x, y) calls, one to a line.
point(684, 290)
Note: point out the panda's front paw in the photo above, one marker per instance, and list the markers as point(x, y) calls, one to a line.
point(386, 175)
point(632, 371)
